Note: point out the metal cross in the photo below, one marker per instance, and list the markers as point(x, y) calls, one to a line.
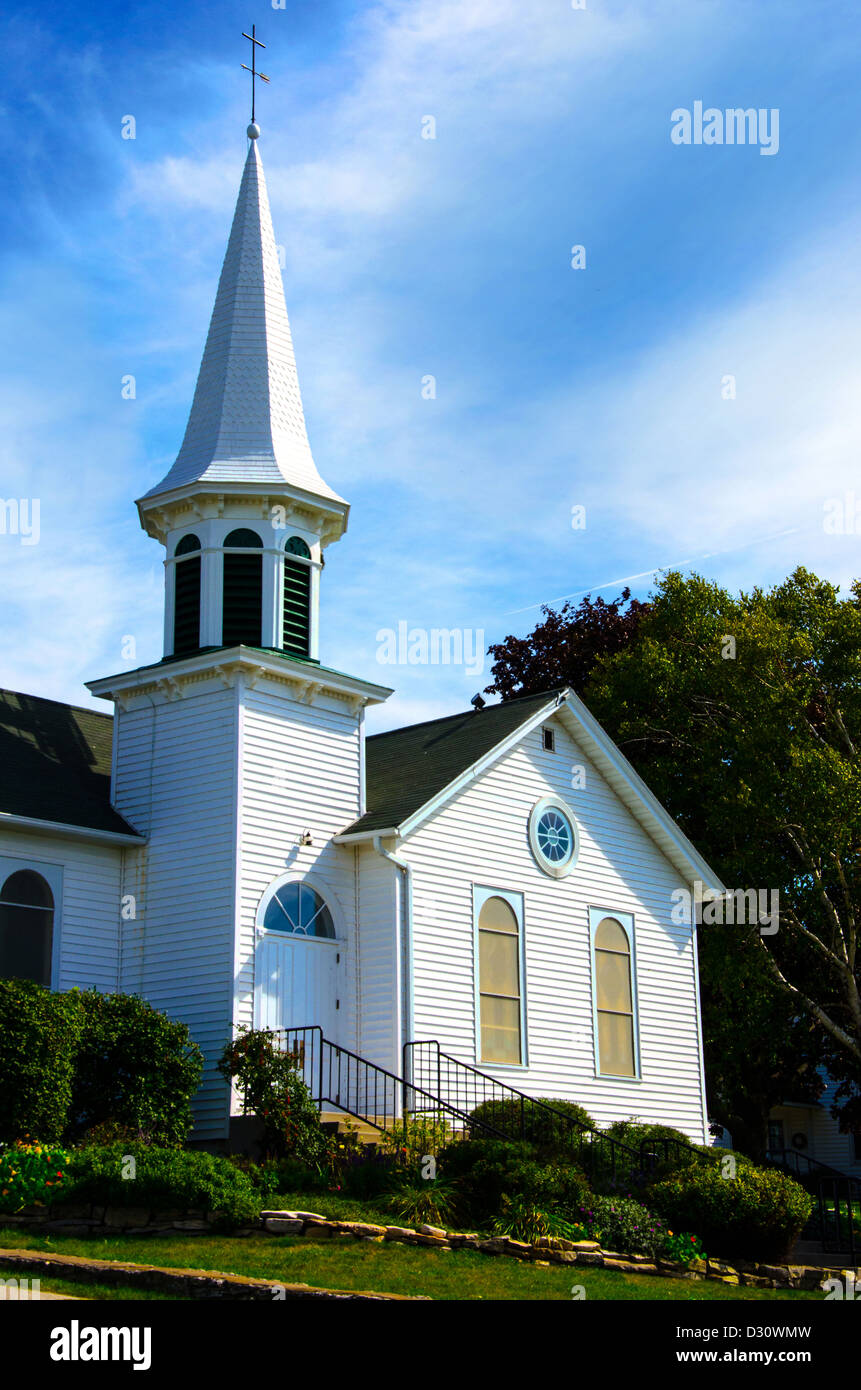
point(255, 44)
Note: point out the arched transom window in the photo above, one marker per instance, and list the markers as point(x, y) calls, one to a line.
point(298, 909)
point(26, 927)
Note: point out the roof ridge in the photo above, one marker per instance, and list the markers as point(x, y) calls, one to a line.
point(443, 718)
point(47, 700)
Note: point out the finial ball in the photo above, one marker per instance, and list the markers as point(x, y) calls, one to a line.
point(253, 131)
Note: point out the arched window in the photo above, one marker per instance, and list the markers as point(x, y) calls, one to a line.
point(499, 981)
point(614, 999)
point(242, 614)
point(298, 909)
point(296, 634)
point(26, 927)
point(186, 601)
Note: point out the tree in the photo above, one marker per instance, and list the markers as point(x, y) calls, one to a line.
point(743, 714)
point(563, 649)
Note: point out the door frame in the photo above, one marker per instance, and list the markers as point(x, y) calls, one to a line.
point(261, 933)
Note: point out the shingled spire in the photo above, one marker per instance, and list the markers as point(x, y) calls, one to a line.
point(247, 424)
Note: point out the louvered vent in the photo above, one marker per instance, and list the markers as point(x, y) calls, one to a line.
point(186, 609)
point(297, 598)
point(242, 617)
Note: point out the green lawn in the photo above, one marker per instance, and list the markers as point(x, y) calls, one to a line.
point(383, 1268)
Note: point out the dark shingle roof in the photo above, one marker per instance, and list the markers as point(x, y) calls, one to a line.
point(55, 763)
point(406, 768)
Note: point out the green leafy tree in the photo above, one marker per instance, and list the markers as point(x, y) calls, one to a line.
point(743, 714)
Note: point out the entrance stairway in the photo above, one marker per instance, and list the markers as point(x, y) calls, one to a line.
point(442, 1099)
point(366, 1133)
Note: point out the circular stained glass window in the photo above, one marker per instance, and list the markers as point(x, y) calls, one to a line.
point(553, 837)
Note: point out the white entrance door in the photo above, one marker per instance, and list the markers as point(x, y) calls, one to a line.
point(296, 982)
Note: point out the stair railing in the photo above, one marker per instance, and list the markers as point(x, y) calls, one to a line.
point(520, 1116)
point(339, 1077)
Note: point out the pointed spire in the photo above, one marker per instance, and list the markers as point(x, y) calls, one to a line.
point(247, 423)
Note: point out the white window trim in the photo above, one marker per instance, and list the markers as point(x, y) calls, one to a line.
point(548, 803)
point(480, 895)
point(53, 876)
point(626, 921)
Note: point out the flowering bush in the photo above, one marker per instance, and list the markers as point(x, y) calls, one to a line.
point(622, 1224)
point(682, 1247)
point(29, 1173)
point(275, 1092)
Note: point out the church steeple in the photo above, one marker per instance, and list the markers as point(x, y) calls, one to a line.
point(247, 423)
point(243, 512)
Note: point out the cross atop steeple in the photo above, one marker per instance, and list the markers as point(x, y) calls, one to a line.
point(255, 44)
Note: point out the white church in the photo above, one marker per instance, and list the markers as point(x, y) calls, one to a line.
point(230, 845)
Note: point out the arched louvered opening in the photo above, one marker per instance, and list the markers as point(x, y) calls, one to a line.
point(242, 614)
point(296, 631)
point(26, 927)
point(186, 600)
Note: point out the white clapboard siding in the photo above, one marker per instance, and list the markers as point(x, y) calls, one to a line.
point(299, 771)
point(378, 957)
point(480, 837)
point(88, 913)
point(176, 781)
point(827, 1144)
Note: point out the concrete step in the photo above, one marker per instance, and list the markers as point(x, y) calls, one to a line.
point(335, 1121)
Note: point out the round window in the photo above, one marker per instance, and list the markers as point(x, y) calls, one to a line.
point(553, 836)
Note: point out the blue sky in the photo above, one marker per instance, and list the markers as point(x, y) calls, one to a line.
point(407, 257)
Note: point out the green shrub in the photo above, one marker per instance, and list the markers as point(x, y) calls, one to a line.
point(487, 1171)
point(39, 1034)
point(276, 1093)
point(276, 1175)
point(549, 1130)
point(635, 1133)
point(758, 1215)
point(31, 1174)
point(136, 1071)
point(622, 1224)
point(682, 1247)
point(417, 1135)
point(434, 1202)
point(524, 1220)
point(141, 1175)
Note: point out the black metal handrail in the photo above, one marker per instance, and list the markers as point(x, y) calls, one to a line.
point(521, 1116)
point(363, 1089)
point(802, 1165)
point(836, 1217)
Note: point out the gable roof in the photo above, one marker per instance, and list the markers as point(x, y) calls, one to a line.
point(407, 768)
point(55, 763)
point(412, 772)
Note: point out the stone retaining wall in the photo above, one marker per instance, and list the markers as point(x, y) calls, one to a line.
point(549, 1250)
